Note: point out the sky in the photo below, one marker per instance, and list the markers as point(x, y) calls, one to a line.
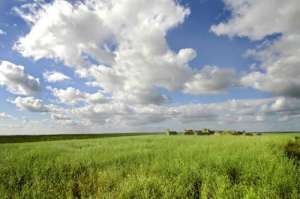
point(95, 66)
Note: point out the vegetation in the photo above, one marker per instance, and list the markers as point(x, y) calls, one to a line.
point(189, 132)
point(292, 149)
point(152, 166)
point(39, 138)
point(169, 132)
point(207, 131)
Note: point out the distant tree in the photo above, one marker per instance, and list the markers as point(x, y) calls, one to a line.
point(208, 131)
point(169, 132)
point(189, 132)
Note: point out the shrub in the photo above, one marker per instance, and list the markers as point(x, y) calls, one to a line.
point(228, 132)
point(292, 149)
point(189, 132)
point(169, 132)
point(239, 132)
point(232, 132)
point(208, 131)
point(198, 132)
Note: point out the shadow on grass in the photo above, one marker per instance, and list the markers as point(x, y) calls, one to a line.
point(292, 149)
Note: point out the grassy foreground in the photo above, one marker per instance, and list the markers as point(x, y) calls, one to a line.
point(153, 166)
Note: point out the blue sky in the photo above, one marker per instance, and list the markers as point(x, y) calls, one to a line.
point(138, 66)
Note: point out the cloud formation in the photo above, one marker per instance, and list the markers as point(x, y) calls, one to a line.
point(256, 19)
point(2, 32)
point(16, 81)
point(211, 80)
point(228, 112)
point(132, 64)
point(71, 96)
point(30, 104)
point(233, 113)
point(279, 72)
point(4, 115)
point(54, 76)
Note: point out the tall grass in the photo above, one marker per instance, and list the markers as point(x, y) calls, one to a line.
point(153, 166)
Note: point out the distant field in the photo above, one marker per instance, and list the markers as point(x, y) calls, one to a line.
point(39, 138)
point(151, 166)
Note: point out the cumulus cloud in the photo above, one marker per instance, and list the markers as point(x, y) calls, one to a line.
point(4, 115)
point(256, 19)
point(239, 111)
point(132, 65)
point(30, 104)
point(54, 76)
point(229, 111)
point(122, 115)
point(279, 72)
point(232, 111)
point(73, 96)
point(118, 115)
point(211, 80)
point(280, 67)
point(285, 106)
point(54, 36)
point(101, 114)
point(2, 32)
point(16, 80)
point(58, 116)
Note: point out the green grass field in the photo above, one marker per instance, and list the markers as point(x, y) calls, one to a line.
point(151, 166)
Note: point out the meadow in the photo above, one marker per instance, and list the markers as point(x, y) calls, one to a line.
point(151, 166)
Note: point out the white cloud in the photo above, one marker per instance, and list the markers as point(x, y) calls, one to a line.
point(134, 64)
point(286, 106)
point(229, 111)
point(101, 114)
point(115, 114)
point(2, 32)
point(5, 116)
point(256, 19)
point(211, 80)
point(72, 96)
point(96, 98)
point(118, 116)
point(53, 36)
point(279, 72)
point(67, 96)
point(30, 104)
point(58, 116)
point(237, 112)
point(54, 76)
point(16, 80)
